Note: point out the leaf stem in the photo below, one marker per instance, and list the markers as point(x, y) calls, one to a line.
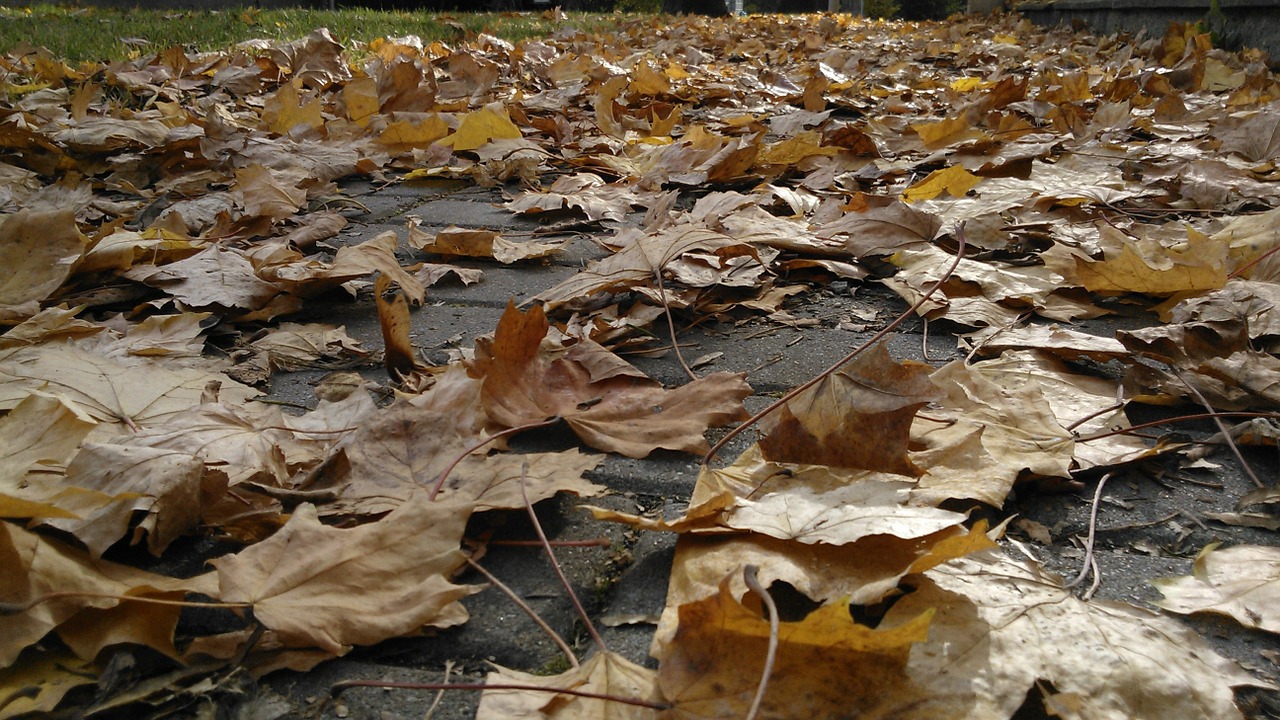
point(555, 564)
point(749, 575)
point(706, 459)
point(1180, 418)
point(444, 474)
point(533, 615)
point(16, 608)
point(344, 684)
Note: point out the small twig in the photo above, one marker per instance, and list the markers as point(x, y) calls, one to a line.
point(1097, 581)
point(749, 575)
point(924, 341)
point(1222, 429)
point(1092, 415)
point(555, 565)
point(344, 684)
point(1180, 418)
point(1093, 529)
point(594, 542)
point(533, 614)
point(671, 324)
point(706, 459)
point(10, 608)
point(444, 474)
point(431, 711)
point(1140, 525)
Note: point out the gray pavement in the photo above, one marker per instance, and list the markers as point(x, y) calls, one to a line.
point(623, 584)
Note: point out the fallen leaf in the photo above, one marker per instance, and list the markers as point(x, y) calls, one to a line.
point(604, 673)
point(1239, 581)
point(323, 587)
point(38, 252)
point(623, 414)
point(871, 396)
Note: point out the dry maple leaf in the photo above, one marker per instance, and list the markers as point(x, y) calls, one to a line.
point(1241, 582)
point(323, 587)
point(87, 610)
point(603, 673)
point(630, 415)
point(1002, 624)
point(858, 417)
point(827, 664)
point(138, 394)
point(38, 251)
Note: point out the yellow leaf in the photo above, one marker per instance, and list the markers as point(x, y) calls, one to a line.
point(490, 122)
point(647, 81)
point(285, 112)
point(795, 149)
point(943, 132)
point(969, 84)
point(1146, 266)
point(955, 180)
point(826, 664)
point(415, 134)
point(361, 96)
point(675, 72)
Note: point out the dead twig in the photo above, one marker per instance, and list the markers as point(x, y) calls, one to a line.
point(706, 460)
point(338, 687)
point(555, 565)
point(1089, 563)
point(671, 324)
point(749, 575)
point(1222, 430)
point(533, 614)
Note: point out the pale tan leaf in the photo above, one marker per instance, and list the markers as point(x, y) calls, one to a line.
point(127, 396)
point(603, 673)
point(38, 252)
point(1242, 582)
point(328, 588)
point(90, 589)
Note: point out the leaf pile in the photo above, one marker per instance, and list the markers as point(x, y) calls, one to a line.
point(160, 209)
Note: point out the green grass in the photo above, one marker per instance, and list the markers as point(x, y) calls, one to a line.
point(79, 34)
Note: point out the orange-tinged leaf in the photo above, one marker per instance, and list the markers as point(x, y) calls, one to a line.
point(398, 355)
point(646, 81)
point(870, 397)
point(626, 414)
point(826, 664)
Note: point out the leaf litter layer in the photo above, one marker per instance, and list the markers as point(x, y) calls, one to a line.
point(164, 217)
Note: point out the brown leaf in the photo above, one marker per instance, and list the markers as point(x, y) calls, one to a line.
point(88, 610)
point(38, 252)
point(832, 422)
point(624, 414)
point(328, 588)
point(398, 354)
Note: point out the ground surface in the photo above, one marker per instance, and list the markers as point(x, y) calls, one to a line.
point(1149, 526)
